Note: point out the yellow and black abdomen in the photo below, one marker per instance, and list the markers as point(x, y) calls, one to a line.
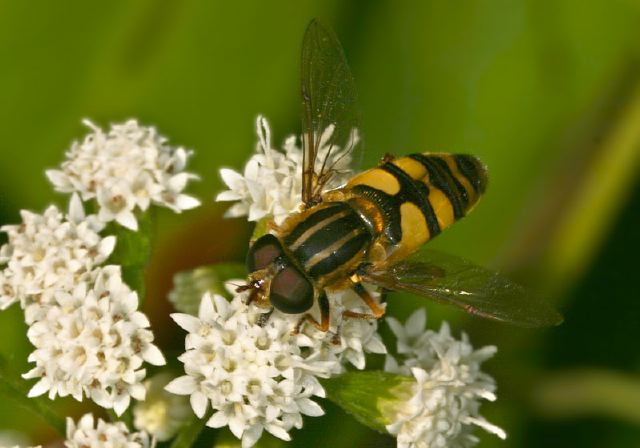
point(412, 199)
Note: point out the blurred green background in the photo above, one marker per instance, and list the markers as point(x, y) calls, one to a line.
point(546, 92)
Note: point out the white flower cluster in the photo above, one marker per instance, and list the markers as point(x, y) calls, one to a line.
point(127, 168)
point(89, 338)
point(257, 375)
point(86, 433)
point(92, 342)
point(47, 253)
point(271, 183)
point(449, 386)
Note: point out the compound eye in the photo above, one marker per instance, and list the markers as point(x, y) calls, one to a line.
point(291, 292)
point(266, 249)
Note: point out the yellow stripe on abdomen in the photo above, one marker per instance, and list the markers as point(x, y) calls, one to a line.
point(412, 167)
point(378, 179)
point(441, 207)
point(414, 226)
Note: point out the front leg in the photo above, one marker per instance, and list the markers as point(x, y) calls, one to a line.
point(323, 325)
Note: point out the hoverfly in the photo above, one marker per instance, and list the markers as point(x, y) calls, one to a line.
point(370, 229)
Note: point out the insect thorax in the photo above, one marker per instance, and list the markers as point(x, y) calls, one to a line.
point(328, 241)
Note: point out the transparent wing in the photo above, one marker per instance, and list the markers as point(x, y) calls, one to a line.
point(330, 116)
point(451, 280)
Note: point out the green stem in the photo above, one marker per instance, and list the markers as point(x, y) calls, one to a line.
point(15, 388)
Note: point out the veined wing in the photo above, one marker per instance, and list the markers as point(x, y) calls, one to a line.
point(329, 113)
point(452, 280)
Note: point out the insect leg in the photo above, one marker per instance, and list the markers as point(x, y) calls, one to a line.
point(323, 325)
point(377, 310)
point(264, 318)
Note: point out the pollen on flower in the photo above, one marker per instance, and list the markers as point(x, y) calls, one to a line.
point(89, 432)
point(271, 184)
point(444, 407)
point(125, 169)
point(92, 341)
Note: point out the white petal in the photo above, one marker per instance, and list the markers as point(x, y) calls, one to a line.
point(128, 220)
point(419, 374)
point(39, 388)
point(184, 385)
point(228, 195)
point(179, 181)
point(375, 345)
point(356, 359)
point(153, 355)
point(489, 427)
point(217, 420)
point(251, 436)
point(390, 364)
point(58, 179)
point(396, 327)
point(278, 432)
point(107, 245)
point(206, 311)
point(187, 322)
point(236, 426)
point(76, 209)
point(256, 213)
point(199, 403)
point(121, 404)
point(232, 178)
point(310, 407)
point(185, 202)
point(416, 323)
point(237, 210)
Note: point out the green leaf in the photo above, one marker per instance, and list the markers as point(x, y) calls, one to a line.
point(16, 389)
point(189, 286)
point(133, 250)
point(371, 397)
